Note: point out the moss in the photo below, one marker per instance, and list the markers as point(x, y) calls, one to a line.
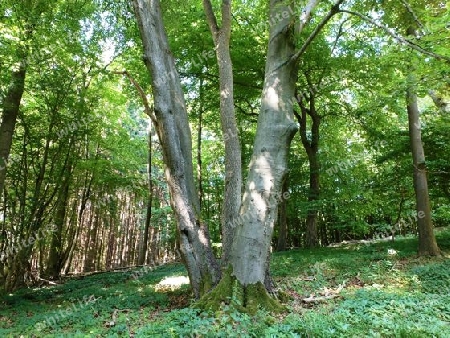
point(257, 297)
point(231, 292)
point(206, 284)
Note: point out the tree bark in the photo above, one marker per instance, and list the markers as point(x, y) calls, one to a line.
point(56, 252)
point(312, 149)
point(246, 276)
point(233, 167)
point(11, 106)
point(282, 219)
point(148, 216)
point(268, 167)
point(427, 239)
point(172, 126)
point(199, 147)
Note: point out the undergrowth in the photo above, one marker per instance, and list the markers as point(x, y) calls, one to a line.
point(377, 290)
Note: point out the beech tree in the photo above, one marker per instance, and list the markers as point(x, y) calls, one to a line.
point(172, 126)
point(233, 171)
point(245, 276)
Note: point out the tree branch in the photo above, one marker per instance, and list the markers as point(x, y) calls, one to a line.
point(338, 36)
point(211, 18)
point(411, 11)
point(397, 37)
point(226, 16)
point(439, 102)
point(147, 108)
point(305, 17)
point(334, 10)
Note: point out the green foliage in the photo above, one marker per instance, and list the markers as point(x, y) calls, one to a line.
point(384, 295)
point(433, 278)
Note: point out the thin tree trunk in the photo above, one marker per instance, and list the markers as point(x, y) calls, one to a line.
point(312, 239)
point(56, 257)
point(199, 146)
point(148, 216)
point(79, 222)
point(172, 126)
point(312, 148)
point(233, 168)
point(111, 244)
point(427, 239)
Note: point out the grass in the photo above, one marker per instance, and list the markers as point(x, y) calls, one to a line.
point(379, 290)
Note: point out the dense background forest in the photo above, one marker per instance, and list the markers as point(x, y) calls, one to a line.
point(82, 163)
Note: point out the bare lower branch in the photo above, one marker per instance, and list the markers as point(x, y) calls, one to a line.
point(211, 18)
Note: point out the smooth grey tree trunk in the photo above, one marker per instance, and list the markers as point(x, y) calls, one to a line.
point(233, 168)
point(268, 167)
point(172, 126)
point(282, 219)
point(247, 276)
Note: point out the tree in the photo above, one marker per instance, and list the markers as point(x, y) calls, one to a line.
point(11, 102)
point(311, 146)
point(427, 239)
point(250, 252)
point(171, 123)
point(233, 171)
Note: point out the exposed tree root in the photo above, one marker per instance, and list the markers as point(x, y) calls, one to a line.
point(230, 291)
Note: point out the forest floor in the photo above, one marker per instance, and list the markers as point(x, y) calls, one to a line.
point(356, 290)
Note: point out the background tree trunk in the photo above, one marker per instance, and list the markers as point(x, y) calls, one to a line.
point(312, 149)
point(427, 239)
point(148, 216)
point(56, 253)
point(11, 106)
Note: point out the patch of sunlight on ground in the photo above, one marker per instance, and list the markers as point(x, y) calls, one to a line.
point(171, 283)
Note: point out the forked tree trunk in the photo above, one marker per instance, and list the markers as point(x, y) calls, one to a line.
point(427, 239)
point(268, 167)
point(312, 148)
point(172, 126)
point(245, 277)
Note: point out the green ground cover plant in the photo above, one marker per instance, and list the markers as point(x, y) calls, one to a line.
point(378, 289)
